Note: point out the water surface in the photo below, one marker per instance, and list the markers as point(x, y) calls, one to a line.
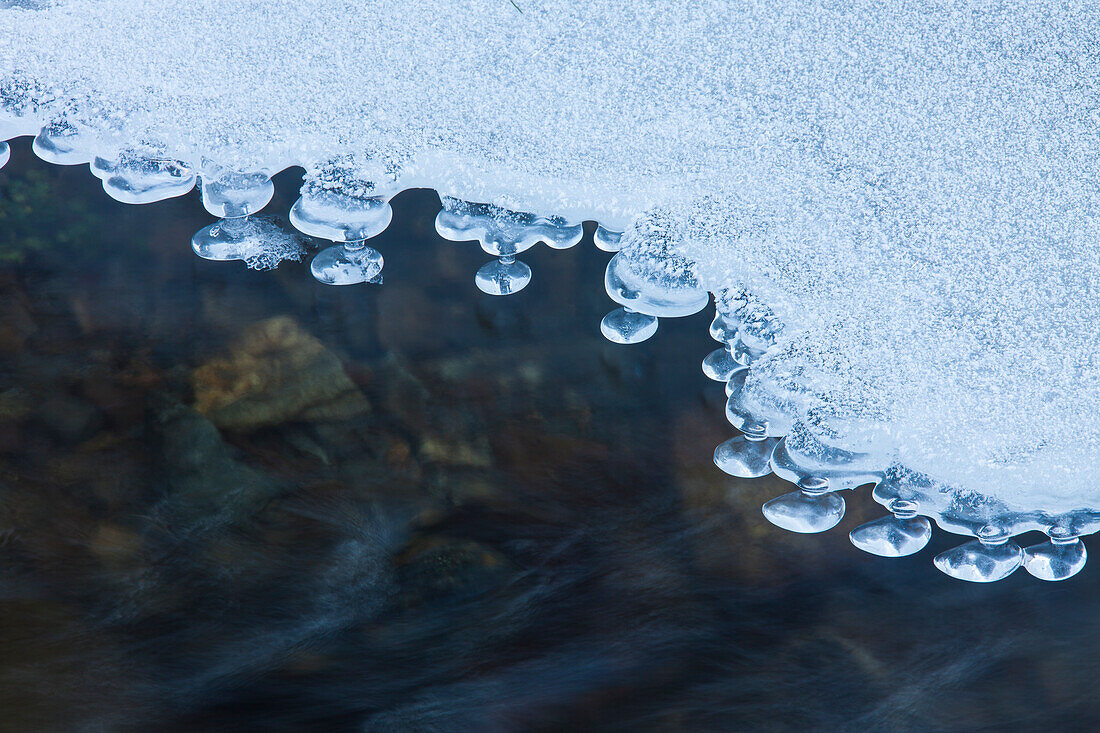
point(236, 501)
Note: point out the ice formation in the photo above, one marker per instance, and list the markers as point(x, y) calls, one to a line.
point(893, 204)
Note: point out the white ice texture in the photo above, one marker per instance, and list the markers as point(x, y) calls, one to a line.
point(910, 188)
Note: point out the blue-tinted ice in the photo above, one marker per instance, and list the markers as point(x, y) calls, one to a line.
point(838, 176)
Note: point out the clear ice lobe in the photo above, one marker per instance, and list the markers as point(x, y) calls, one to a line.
point(900, 534)
point(230, 194)
point(742, 410)
point(234, 196)
point(60, 143)
point(258, 241)
point(349, 220)
point(653, 286)
point(811, 509)
point(1060, 558)
point(350, 263)
point(505, 234)
point(625, 326)
point(607, 240)
point(645, 283)
point(747, 455)
point(339, 217)
point(5, 154)
point(802, 454)
point(502, 276)
point(719, 365)
point(723, 330)
point(136, 178)
point(991, 557)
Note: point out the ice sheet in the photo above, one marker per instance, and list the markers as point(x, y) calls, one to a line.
point(910, 188)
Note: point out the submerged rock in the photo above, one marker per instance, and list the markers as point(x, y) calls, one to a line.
point(275, 373)
point(201, 479)
point(437, 568)
point(68, 418)
point(17, 324)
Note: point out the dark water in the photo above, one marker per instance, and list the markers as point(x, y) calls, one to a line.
point(241, 501)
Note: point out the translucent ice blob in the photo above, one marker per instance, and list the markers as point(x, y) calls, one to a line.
point(349, 214)
point(504, 234)
point(650, 280)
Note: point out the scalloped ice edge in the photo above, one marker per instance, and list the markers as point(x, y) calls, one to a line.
point(976, 516)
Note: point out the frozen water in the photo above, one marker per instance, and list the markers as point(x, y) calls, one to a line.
point(719, 365)
point(1060, 558)
point(748, 455)
point(350, 263)
point(989, 558)
point(346, 205)
point(811, 509)
point(142, 176)
point(649, 275)
point(903, 533)
point(625, 326)
point(607, 240)
point(893, 204)
point(504, 233)
point(503, 276)
point(260, 242)
point(60, 143)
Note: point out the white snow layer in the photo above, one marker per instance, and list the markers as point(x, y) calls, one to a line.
point(911, 187)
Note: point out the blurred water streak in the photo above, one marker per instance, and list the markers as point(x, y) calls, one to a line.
point(245, 501)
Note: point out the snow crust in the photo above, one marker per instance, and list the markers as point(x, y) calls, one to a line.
point(911, 188)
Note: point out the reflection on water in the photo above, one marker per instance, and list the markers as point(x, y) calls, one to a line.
point(233, 500)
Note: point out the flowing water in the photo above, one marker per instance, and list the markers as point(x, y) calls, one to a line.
point(235, 500)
